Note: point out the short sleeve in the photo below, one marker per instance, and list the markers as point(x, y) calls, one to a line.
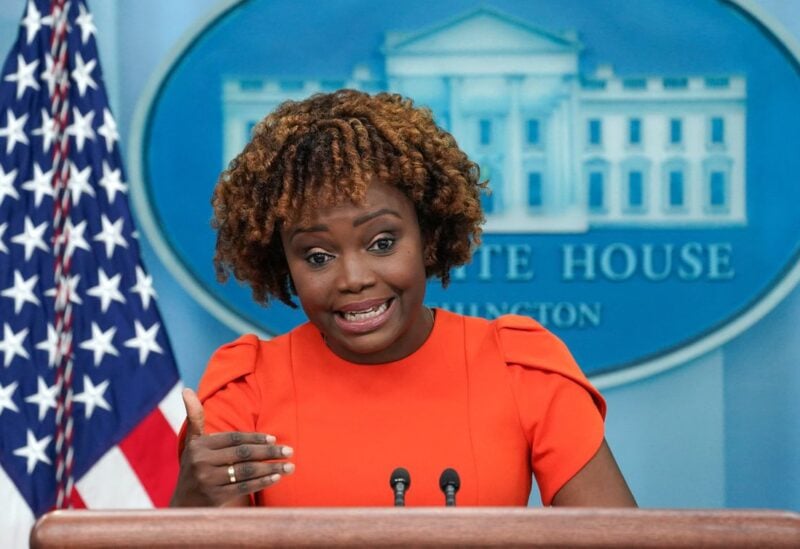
point(228, 389)
point(561, 413)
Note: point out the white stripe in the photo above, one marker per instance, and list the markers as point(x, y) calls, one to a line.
point(16, 519)
point(112, 484)
point(172, 407)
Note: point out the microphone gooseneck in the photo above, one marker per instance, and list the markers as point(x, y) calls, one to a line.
point(400, 481)
point(449, 483)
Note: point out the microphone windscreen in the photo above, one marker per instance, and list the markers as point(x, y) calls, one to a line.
point(449, 478)
point(400, 475)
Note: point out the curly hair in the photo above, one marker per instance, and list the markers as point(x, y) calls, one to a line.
point(325, 150)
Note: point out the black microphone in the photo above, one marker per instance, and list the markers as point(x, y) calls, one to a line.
point(400, 481)
point(449, 483)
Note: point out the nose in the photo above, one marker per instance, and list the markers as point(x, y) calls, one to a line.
point(355, 273)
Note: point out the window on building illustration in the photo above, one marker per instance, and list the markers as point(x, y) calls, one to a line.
point(717, 130)
point(485, 126)
point(487, 203)
point(251, 124)
point(595, 132)
point(718, 82)
point(635, 131)
point(635, 189)
point(676, 189)
point(675, 83)
point(535, 190)
point(533, 130)
point(717, 192)
point(675, 131)
point(596, 190)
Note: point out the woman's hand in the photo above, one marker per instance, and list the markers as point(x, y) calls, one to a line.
point(224, 468)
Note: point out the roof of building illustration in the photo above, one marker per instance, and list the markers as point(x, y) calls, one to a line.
point(483, 30)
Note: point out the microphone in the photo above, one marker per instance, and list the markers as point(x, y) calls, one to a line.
point(400, 482)
point(449, 483)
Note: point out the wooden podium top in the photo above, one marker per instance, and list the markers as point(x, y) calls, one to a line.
point(419, 527)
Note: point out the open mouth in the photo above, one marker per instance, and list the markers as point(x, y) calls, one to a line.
point(367, 319)
point(372, 312)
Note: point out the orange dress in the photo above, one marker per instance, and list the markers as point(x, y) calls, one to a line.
point(496, 401)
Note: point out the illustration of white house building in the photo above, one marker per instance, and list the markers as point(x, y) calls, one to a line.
point(563, 151)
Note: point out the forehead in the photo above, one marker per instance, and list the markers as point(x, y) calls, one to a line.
point(379, 196)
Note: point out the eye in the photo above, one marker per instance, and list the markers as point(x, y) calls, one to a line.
point(383, 244)
point(318, 259)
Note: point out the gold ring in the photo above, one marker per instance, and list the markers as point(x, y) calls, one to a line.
point(232, 474)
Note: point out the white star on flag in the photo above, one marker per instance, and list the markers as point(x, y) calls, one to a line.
point(44, 397)
point(109, 130)
point(144, 287)
point(82, 74)
point(100, 343)
point(34, 451)
point(47, 130)
point(40, 185)
point(32, 22)
point(81, 127)
point(107, 289)
point(22, 291)
point(24, 76)
point(7, 185)
point(112, 181)
point(111, 235)
point(14, 130)
point(7, 397)
point(74, 237)
point(70, 288)
point(3, 228)
point(86, 22)
point(49, 73)
point(92, 396)
point(11, 344)
point(145, 341)
point(50, 345)
point(31, 238)
point(79, 182)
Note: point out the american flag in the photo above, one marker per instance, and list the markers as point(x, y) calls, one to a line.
point(89, 392)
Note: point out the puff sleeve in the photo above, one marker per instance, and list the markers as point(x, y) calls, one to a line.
point(561, 413)
point(228, 389)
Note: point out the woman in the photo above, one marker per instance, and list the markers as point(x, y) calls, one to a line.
point(350, 202)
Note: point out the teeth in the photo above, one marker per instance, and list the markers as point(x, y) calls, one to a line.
point(369, 313)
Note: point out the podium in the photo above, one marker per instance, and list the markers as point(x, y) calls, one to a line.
point(416, 527)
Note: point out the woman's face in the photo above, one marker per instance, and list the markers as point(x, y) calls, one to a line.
point(360, 276)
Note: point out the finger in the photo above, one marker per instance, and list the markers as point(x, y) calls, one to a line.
point(252, 470)
point(250, 452)
point(195, 416)
point(218, 441)
point(251, 486)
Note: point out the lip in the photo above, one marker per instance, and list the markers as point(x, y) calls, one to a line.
point(368, 324)
point(362, 305)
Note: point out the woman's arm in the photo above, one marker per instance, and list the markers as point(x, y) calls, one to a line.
point(598, 484)
point(223, 469)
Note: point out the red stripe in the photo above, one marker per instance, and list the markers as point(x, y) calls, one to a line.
point(75, 499)
point(150, 449)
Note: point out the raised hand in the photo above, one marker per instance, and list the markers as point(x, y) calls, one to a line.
point(223, 467)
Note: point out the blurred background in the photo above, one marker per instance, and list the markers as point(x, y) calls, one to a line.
point(721, 429)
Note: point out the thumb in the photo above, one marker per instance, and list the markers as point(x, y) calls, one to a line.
point(195, 416)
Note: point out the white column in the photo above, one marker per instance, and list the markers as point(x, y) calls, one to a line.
point(514, 186)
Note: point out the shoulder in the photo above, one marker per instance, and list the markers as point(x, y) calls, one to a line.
point(528, 346)
point(239, 360)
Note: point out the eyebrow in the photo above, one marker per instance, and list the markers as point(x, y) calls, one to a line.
point(372, 215)
point(356, 222)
